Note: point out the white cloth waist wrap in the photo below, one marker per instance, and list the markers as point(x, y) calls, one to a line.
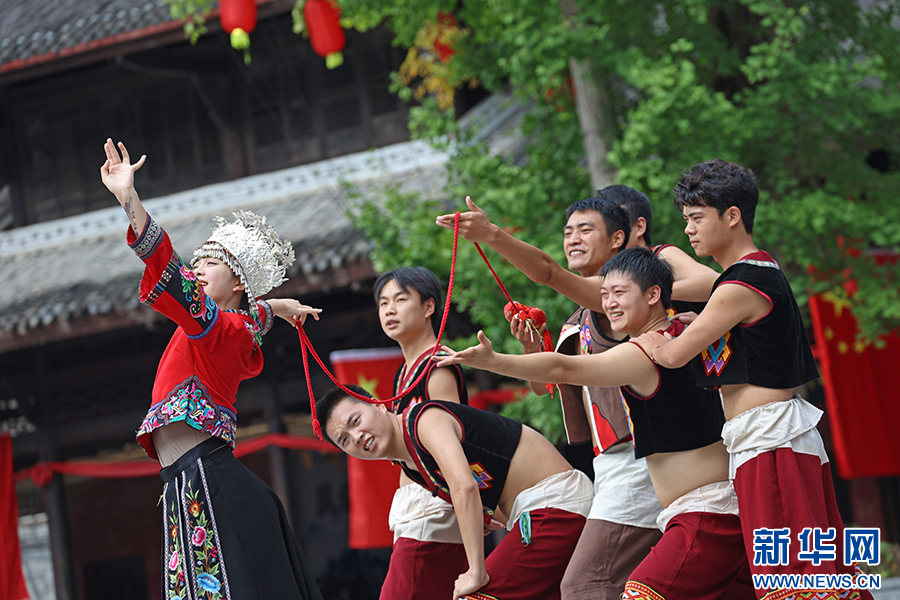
point(717, 497)
point(417, 515)
point(787, 424)
point(570, 491)
point(623, 492)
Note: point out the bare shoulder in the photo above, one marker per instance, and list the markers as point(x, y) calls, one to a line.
point(442, 384)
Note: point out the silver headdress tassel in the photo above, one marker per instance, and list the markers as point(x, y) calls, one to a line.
point(252, 249)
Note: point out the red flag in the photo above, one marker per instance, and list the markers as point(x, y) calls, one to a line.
point(370, 484)
point(12, 581)
point(862, 391)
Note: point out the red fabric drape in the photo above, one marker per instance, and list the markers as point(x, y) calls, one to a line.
point(12, 580)
point(370, 484)
point(862, 392)
point(42, 473)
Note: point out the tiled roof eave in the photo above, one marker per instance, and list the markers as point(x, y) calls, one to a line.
point(89, 50)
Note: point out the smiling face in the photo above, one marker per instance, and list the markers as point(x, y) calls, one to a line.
point(360, 429)
point(626, 306)
point(586, 242)
point(219, 282)
point(402, 314)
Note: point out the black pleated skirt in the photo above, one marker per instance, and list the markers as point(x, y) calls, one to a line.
point(225, 533)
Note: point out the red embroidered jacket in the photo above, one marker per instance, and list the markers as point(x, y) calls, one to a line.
point(210, 353)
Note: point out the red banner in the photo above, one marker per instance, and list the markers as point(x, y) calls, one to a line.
point(862, 391)
point(12, 580)
point(370, 484)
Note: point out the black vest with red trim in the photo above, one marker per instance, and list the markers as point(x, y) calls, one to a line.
point(773, 352)
point(581, 334)
point(679, 306)
point(489, 442)
point(419, 393)
point(678, 416)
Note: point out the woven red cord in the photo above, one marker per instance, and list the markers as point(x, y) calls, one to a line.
point(305, 345)
point(496, 277)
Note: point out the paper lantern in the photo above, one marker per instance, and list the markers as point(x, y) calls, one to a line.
point(238, 19)
point(325, 32)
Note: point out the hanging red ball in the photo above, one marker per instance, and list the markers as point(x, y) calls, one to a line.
point(238, 19)
point(325, 32)
point(237, 14)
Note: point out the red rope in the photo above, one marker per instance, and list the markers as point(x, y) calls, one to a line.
point(496, 277)
point(306, 345)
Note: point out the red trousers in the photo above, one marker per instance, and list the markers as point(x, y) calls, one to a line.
point(783, 488)
point(700, 557)
point(520, 572)
point(423, 570)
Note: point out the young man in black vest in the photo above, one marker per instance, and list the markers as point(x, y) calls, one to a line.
point(753, 347)
point(428, 553)
point(490, 468)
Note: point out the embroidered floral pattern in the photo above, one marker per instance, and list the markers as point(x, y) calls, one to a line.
point(191, 402)
point(198, 303)
point(585, 336)
point(192, 547)
point(174, 579)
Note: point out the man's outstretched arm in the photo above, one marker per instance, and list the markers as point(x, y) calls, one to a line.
point(536, 264)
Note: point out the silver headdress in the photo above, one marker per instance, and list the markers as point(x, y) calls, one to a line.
point(253, 250)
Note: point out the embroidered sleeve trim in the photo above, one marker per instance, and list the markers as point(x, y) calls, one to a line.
point(147, 243)
point(192, 403)
point(160, 287)
point(267, 316)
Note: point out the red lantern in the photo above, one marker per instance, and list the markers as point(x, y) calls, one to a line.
point(325, 31)
point(238, 19)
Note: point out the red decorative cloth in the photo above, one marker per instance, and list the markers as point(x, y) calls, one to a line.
point(12, 580)
point(370, 484)
point(861, 384)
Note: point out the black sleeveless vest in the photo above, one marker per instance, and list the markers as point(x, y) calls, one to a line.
point(488, 440)
point(774, 352)
point(419, 393)
point(678, 416)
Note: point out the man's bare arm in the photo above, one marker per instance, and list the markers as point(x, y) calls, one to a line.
point(693, 281)
point(622, 365)
point(536, 264)
point(728, 306)
point(438, 432)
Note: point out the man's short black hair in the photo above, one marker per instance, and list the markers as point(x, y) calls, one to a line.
point(634, 203)
point(325, 405)
point(614, 217)
point(644, 268)
point(420, 279)
point(720, 185)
